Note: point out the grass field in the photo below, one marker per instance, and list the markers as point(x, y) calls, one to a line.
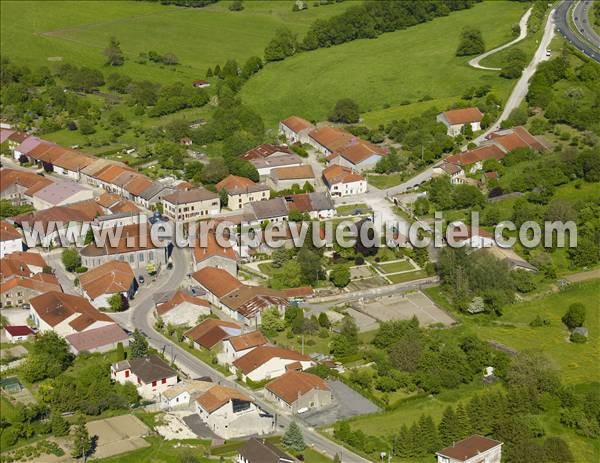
point(393, 267)
point(50, 32)
point(396, 67)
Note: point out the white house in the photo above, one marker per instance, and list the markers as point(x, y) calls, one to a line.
point(101, 283)
point(191, 205)
point(18, 333)
point(235, 347)
point(10, 239)
point(474, 449)
point(230, 413)
point(183, 394)
point(343, 181)
point(65, 314)
point(182, 309)
point(456, 119)
point(298, 392)
point(267, 362)
point(262, 451)
point(295, 129)
point(151, 375)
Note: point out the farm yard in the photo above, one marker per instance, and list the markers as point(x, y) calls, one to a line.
point(389, 73)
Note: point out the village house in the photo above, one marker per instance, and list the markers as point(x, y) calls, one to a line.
point(183, 395)
point(134, 246)
point(66, 314)
point(358, 155)
point(151, 375)
point(242, 190)
point(100, 283)
point(216, 282)
point(10, 239)
point(264, 165)
point(52, 224)
point(191, 205)
point(342, 181)
point(211, 332)
point(22, 277)
point(265, 150)
point(459, 234)
point(299, 392)
point(268, 362)
point(295, 129)
point(474, 449)
point(262, 451)
point(283, 178)
point(215, 255)
point(182, 309)
point(235, 347)
point(517, 137)
point(12, 138)
point(25, 147)
point(18, 333)
point(272, 210)
point(456, 119)
point(247, 303)
point(102, 339)
point(15, 183)
point(230, 413)
point(71, 163)
point(317, 205)
point(60, 194)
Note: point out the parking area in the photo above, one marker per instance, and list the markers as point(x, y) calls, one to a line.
point(364, 321)
point(404, 306)
point(348, 403)
point(198, 427)
point(117, 435)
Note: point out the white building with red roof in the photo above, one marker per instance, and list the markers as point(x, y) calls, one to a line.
point(18, 333)
point(343, 181)
point(473, 449)
point(456, 119)
point(209, 253)
point(182, 309)
point(298, 392)
point(101, 283)
point(10, 239)
point(295, 129)
point(268, 362)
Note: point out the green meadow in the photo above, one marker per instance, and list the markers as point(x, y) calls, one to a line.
point(77, 32)
point(385, 73)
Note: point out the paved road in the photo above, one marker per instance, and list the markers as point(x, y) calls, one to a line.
point(522, 34)
point(585, 39)
point(522, 87)
point(140, 316)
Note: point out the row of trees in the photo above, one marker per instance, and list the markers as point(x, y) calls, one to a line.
point(512, 417)
point(367, 20)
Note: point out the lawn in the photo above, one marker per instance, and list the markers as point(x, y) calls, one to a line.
point(409, 276)
point(410, 65)
point(393, 267)
point(37, 32)
point(162, 451)
point(350, 209)
point(385, 180)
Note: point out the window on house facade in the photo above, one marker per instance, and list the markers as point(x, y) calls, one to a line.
point(153, 383)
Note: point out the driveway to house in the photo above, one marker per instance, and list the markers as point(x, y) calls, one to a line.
point(140, 316)
point(522, 34)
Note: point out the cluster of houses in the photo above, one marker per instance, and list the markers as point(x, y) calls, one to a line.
point(462, 165)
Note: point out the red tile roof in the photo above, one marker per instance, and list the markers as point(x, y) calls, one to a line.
point(217, 396)
point(262, 354)
point(97, 338)
point(463, 115)
point(264, 151)
point(179, 298)
point(212, 249)
point(483, 153)
point(212, 331)
point(19, 330)
point(218, 281)
point(248, 340)
point(8, 232)
point(293, 384)
point(340, 174)
point(111, 277)
point(297, 124)
point(304, 172)
point(54, 307)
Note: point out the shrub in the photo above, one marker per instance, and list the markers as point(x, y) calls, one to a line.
point(578, 338)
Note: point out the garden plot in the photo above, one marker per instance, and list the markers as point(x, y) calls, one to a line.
point(117, 435)
point(397, 266)
point(404, 306)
